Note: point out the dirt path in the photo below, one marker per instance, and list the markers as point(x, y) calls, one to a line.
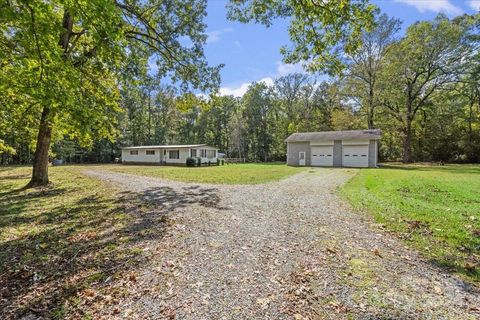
point(285, 250)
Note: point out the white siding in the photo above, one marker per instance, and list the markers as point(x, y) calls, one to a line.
point(355, 142)
point(163, 156)
point(183, 155)
point(141, 157)
point(205, 159)
point(322, 143)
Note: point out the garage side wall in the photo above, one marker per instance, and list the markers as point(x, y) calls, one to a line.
point(372, 154)
point(293, 148)
point(337, 153)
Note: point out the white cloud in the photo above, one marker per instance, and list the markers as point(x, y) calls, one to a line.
point(433, 5)
point(240, 90)
point(268, 81)
point(152, 65)
point(215, 36)
point(474, 4)
point(284, 68)
point(202, 95)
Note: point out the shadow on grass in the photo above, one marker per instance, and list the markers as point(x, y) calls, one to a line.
point(451, 168)
point(16, 201)
point(15, 177)
point(10, 167)
point(452, 267)
point(454, 261)
point(87, 243)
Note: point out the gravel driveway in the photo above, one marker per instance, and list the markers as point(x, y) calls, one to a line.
point(283, 250)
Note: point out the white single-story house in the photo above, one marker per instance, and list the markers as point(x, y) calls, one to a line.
point(169, 154)
point(352, 148)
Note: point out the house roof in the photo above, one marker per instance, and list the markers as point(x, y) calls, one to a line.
point(174, 146)
point(373, 134)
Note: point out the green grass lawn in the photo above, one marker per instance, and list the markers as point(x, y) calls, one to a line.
point(436, 208)
point(245, 173)
point(57, 241)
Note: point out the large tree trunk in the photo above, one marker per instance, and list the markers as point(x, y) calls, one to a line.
point(470, 121)
point(407, 142)
point(370, 112)
point(40, 161)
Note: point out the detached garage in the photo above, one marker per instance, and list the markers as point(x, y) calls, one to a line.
point(353, 148)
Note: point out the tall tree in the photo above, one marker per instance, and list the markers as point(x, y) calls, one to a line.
point(61, 60)
point(320, 30)
point(429, 57)
point(365, 64)
point(289, 91)
point(257, 104)
point(238, 133)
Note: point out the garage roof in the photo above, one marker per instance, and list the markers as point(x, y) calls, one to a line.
point(373, 134)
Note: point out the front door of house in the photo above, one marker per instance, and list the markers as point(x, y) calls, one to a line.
point(301, 158)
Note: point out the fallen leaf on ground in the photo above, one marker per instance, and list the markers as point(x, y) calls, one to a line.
point(331, 250)
point(474, 309)
point(377, 252)
point(263, 302)
point(132, 277)
point(89, 293)
point(470, 266)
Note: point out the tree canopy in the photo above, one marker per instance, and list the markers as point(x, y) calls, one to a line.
point(320, 31)
point(431, 57)
point(63, 63)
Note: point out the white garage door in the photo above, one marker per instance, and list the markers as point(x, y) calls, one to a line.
point(322, 156)
point(355, 156)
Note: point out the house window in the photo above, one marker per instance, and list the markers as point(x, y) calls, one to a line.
point(150, 152)
point(134, 152)
point(211, 153)
point(193, 152)
point(203, 153)
point(174, 154)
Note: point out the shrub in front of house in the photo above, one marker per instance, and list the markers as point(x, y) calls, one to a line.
point(199, 162)
point(222, 161)
point(218, 161)
point(191, 162)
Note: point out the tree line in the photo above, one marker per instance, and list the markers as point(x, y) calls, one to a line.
point(421, 89)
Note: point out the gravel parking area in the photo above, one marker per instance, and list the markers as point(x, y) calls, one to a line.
point(284, 250)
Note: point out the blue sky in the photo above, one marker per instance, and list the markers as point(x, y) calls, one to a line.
point(250, 52)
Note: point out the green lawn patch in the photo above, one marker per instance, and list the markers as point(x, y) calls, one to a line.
point(59, 240)
point(436, 208)
point(245, 173)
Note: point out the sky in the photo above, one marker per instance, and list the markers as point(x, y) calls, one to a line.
point(251, 52)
